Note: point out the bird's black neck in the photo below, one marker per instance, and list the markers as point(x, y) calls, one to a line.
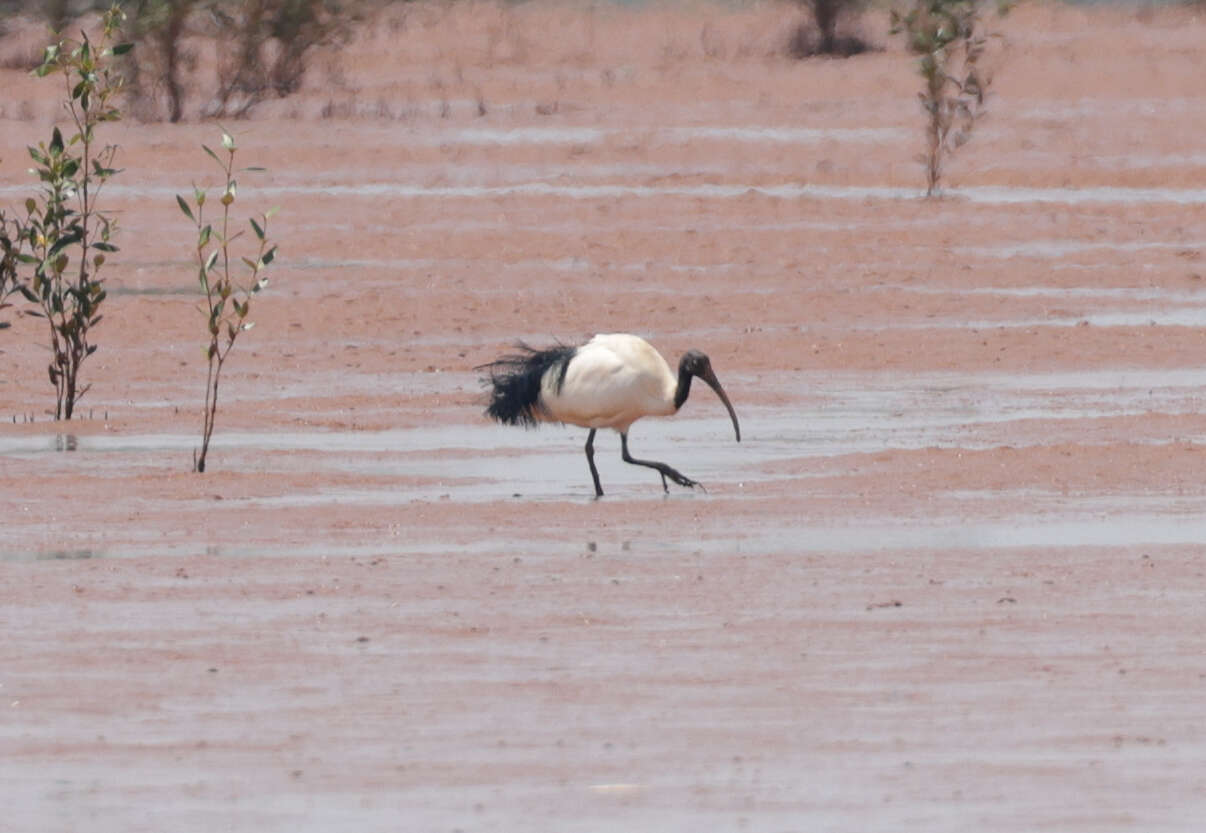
point(684, 387)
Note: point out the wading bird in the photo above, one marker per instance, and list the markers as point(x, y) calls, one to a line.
point(610, 382)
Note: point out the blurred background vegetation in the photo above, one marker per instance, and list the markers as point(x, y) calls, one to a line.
point(220, 58)
point(260, 47)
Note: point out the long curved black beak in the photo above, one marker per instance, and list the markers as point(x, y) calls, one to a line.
point(714, 384)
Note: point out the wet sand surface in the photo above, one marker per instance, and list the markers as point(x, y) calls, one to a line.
point(951, 579)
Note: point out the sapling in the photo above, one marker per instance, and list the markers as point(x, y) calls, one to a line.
point(12, 238)
point(950, 44)
point(66, 235)
point(227, 300)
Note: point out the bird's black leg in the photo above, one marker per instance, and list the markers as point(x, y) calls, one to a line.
point(662, 469)
point(590, 459)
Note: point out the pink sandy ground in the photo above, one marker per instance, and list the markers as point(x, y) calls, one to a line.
point(951, 579)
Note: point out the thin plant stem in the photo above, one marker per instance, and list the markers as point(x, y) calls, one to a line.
point(226, 303)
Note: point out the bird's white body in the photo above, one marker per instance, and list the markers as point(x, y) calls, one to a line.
point(612, 381)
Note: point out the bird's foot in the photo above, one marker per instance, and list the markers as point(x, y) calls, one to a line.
point(681, 479)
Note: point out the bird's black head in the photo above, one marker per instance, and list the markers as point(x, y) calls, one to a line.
point(696, 363)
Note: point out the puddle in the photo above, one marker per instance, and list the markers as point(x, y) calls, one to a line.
point(1122, 530)
point(1102, 293)
point(1111, 109)
point(1152, 306)
point(154, 291)
point(1063, 248)
point(1183, 317)
point(987, 195)
point(69, 555)
point(1003, 195)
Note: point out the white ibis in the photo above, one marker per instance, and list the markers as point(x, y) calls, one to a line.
point(610, 382)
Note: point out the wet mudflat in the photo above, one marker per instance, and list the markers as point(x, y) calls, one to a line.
point(950, 579)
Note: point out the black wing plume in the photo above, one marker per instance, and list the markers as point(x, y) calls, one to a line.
point(513, 382)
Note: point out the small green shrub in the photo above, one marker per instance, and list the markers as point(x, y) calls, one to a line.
point(227, 302)
point(948, 39)
point(66, 236)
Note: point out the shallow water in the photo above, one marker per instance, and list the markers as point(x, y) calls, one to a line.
point(834, 414)
point(832, 417)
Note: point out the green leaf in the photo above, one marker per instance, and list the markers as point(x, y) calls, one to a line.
point(105, 247)
point(63, 242)
point(211, 260)
point(211, 153)
point(56, 141)
point(188, 212)
point(259, 232)
point(269, 256)
point(203, 237)
point(122, 48)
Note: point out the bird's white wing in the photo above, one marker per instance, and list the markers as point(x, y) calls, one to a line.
point(612, 381)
